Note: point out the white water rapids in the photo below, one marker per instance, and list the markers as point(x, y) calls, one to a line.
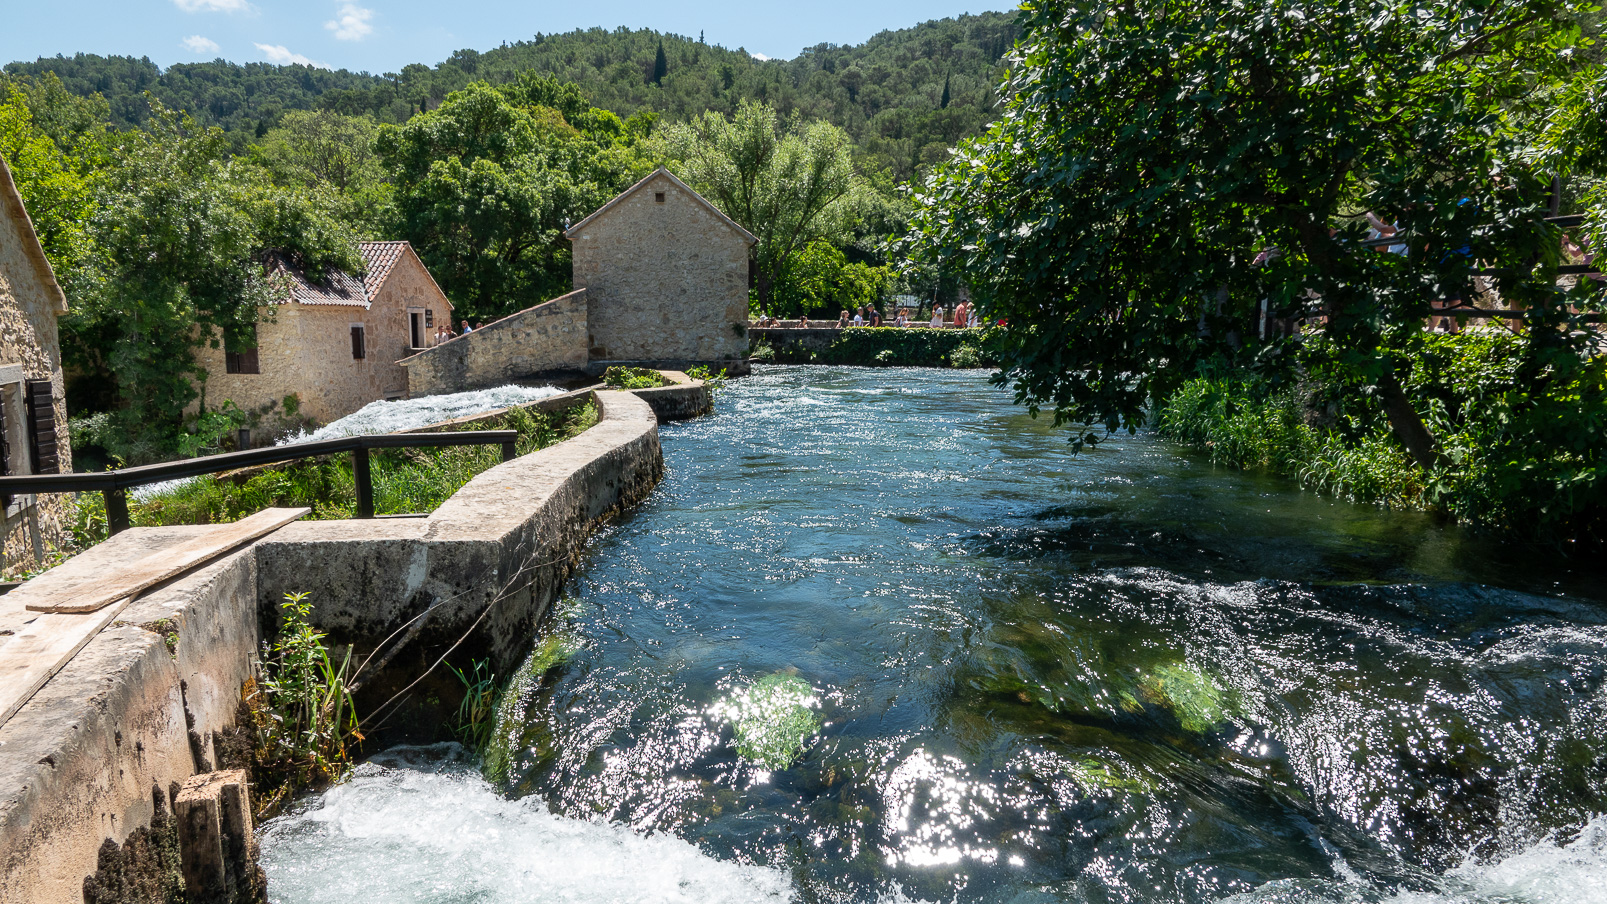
point(419, 825)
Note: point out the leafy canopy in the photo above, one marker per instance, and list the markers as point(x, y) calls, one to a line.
point(1149, 150)
point(485, 184)
point(788, 182)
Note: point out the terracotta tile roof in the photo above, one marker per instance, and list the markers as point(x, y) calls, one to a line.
point(380, 258)
point(339, 287)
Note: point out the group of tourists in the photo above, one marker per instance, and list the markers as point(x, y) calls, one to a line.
point(964, 315)
point(443, 332)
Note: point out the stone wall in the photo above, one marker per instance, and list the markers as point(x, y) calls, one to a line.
point(666, 281)
point(97, 750)
point(547, 337)
point(306, 350)
point(30, 302)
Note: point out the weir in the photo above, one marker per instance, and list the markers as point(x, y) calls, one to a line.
point(94, 765)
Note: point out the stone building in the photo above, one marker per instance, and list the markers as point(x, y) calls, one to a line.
point(334, 344)
point(33, 412)
point(666, 278)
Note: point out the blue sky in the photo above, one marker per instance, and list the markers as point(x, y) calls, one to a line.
point(383, 35)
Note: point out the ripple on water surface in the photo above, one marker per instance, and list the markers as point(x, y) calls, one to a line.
point(984, 670)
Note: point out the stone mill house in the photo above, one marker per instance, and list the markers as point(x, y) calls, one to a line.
point(660, 280)
point(33, 414)
point(334, 344)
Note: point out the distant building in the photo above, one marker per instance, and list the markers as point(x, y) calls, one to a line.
point(660, 280)
point(666, 278)
point(334, 344)
point(33, 413)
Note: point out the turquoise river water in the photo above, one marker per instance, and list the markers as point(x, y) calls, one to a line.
point(879, 637)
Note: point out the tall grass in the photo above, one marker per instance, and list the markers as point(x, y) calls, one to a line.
point(1228, 422)
point(405, 480)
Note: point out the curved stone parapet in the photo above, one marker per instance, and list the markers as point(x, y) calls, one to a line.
point(476, 575)
point(687, 398)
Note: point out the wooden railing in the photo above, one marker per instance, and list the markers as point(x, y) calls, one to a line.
point(114, 484)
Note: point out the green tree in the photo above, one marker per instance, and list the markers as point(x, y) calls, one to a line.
point(485, 183)
point(661, 66)
point(789, 183)
point(59, 197)
point(326, 151)
point(1149, 151)
point(181, 236)
point(822, 281)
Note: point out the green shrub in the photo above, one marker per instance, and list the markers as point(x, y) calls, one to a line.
point(633, 378)
point(966, 357)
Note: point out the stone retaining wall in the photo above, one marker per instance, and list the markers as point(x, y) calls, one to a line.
point(99, 751)
point(548, 337)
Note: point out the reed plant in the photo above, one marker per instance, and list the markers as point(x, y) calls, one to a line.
point(302, 709)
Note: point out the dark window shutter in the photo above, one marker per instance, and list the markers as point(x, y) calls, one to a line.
point(42, 427)
point(357, 342)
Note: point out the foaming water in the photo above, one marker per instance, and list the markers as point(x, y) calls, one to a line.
point(994, 672)
point(391, 416)
point(405, 414)
point(418, 824)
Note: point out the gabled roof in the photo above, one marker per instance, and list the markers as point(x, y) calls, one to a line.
point(337, 287)
point(12, 208)
point(380, 258)
point(341, 288)
point(574, 230)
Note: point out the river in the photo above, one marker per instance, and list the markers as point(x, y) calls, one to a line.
point(880, 637)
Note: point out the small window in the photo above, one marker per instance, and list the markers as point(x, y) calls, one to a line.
point(359, 348)
point(244, 361)
point(658, 196)
point(241, 362)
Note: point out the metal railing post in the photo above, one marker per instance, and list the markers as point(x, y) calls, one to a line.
point(510, 451)
point(116, 510)
point(365, 482)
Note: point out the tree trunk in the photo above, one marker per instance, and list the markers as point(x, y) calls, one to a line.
point(1408, 426)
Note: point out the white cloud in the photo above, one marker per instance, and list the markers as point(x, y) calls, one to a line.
point(198, 44)
point(352, 24)
point(279, 53)
point(760, 57)
point(213, 6)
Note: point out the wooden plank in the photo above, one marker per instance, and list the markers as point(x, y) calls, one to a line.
point(38, 651)
point(93, 592)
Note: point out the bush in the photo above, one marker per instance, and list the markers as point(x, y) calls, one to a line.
point(633, 378)
point(302, 709)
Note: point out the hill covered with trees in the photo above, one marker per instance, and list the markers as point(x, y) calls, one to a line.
point(904, 97)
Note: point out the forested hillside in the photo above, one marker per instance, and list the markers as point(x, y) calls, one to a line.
point(904, 96)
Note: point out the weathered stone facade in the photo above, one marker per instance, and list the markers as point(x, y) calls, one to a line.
point(547, 337)
point(666, 278)
point(306, 348)
point(30, 301)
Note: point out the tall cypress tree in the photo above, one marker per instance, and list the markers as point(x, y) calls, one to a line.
point(944, 103)
point(661, 66)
